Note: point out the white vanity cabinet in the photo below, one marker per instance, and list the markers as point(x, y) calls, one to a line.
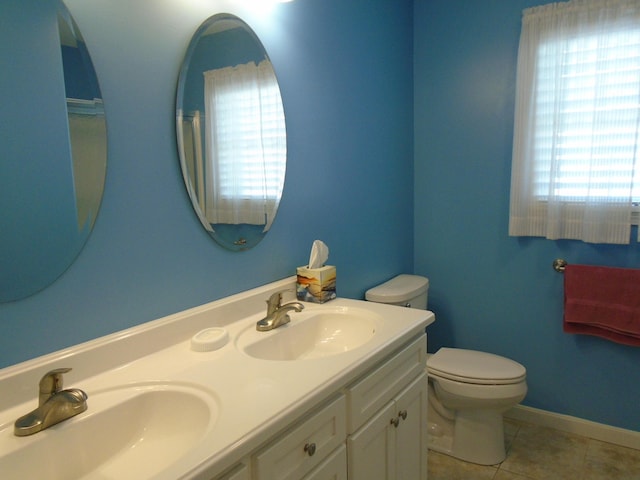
point(373, 428)
point(388, 428)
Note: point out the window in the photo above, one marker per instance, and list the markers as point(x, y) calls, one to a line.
point(576, 164)
point(246, 138)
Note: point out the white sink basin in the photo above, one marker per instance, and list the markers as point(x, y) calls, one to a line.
point(315, 332)
point(130, 432)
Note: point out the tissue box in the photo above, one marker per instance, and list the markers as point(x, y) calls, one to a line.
point(316, 285)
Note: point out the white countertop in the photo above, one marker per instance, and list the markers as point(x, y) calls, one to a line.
point(254, 398)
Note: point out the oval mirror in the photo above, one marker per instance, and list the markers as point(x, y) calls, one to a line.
point(231, 132)
point(54, 145)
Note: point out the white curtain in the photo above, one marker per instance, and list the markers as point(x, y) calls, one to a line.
point(576, 129)
point(245, 144)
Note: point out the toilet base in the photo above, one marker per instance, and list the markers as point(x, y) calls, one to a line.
point(475, 436)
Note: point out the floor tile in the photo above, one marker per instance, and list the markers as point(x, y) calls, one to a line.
point(540, 453)
point(504, 475)
point(606, 461)
point(544, 453)
point(444, 467)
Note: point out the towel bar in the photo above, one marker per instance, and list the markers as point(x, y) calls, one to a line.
point(559, 264)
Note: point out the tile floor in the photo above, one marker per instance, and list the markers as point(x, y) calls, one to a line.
point(540, 453)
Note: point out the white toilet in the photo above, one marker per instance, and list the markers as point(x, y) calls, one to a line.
point(468, 390)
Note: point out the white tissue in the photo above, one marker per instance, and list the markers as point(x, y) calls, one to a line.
point(319, 254)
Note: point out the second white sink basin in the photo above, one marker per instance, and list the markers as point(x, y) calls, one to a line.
point(315, 332)
point(129, 432)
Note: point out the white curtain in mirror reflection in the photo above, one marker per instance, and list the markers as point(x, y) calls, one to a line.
point(245, 143)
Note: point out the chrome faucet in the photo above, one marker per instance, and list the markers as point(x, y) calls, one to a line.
point(54, 405)
point(277, 313)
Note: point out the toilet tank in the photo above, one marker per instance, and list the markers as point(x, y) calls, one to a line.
point(405, 290)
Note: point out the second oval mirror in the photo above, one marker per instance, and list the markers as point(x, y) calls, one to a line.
point(231, 132)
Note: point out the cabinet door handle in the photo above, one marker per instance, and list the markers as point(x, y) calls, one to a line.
point(403, 414)
point(310, 448)
point(395, 421)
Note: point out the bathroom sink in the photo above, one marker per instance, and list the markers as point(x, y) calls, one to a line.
point(316, 332)
point(129, 432)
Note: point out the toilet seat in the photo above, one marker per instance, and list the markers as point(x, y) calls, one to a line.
point(473, 367)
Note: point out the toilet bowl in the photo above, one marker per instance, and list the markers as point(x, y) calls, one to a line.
point(468, 393)
point(468, 390)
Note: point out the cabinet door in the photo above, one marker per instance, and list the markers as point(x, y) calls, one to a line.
point(370, 394)
point(371, 450)
point(411, 434)
point(334, 467)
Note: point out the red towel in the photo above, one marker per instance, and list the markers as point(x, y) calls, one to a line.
point(603, 301)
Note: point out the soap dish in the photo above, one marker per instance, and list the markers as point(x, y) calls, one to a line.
point(209, 339)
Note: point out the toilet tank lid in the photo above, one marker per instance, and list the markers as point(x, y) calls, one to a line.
point(399, 289)
point(474, 365)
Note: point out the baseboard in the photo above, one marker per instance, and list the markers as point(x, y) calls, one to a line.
point(566, 423)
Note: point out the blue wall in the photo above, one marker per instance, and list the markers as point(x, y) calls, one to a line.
point(346, 75)
point(490, 291)
point(348, 96)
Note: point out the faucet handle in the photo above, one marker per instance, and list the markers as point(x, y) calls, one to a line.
point(275, 301)
point(51, 383)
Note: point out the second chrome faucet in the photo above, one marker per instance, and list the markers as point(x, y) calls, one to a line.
point(277, 313)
